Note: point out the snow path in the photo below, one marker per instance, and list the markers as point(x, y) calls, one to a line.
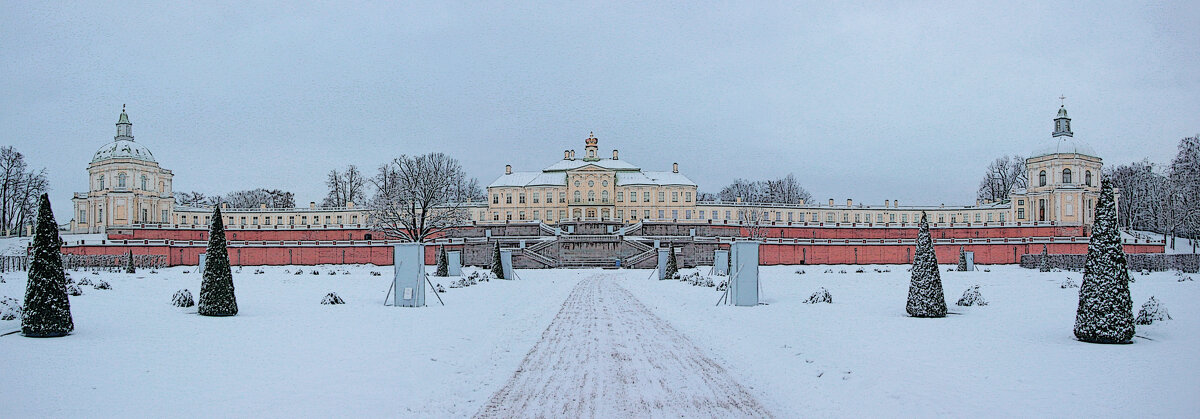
point(606, 355)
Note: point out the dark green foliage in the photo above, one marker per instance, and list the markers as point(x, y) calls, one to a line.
point(331, 299)
point(925, 295)
point(1105, 313)
point(443, 267)
point(672, 267)
point(1045, 263)
point(216, 289)
point(182, 298)
point(962, 259)
point(497, 269)
point(129, 263)
point(47, 311)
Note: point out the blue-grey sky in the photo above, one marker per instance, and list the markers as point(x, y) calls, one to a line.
point(869, 102)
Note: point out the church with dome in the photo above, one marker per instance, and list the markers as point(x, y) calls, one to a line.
point(126, 186)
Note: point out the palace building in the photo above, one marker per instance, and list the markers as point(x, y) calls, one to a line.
point(594, 211)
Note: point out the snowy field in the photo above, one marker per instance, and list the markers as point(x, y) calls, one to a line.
point(133, 354)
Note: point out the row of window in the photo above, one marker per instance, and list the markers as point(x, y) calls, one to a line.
point(266, 220)
point(765, 216)
point(83, 216)
point(591, 197)
point(121, 181)
point(1066, 177)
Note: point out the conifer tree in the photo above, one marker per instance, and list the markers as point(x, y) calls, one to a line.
point(672, 266)
point(216, 289)
point(129, 263)
point(962, 259)
point(497, 266)
point(925, 295)
point(47, 309)
point(1105, 313)
point(443, 267)
point(1044, 265)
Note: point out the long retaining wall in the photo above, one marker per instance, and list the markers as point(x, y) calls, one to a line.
point(605, 244)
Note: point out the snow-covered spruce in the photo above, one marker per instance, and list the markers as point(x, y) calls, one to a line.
point(47, 311)
point(1044, 263)
point(1068, 283)
point(216, 289)
point(497, 269)
point(925, 295)
point(332, 298)
point(10, 308)
point(182, 298)
point(1151, 312)
point(962, 259)
point(443, 266)
point(129, 269)
point(672, 268)
point(1105, 313)
point(821, 296)
point(972, 297)
point(74, 290)
point(102, 285)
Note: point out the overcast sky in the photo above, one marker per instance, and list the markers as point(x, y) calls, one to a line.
point(869, 103)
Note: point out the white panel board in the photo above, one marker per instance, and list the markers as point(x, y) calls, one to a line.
point(409, 264)
point(721, 262)
point(506, 264)
point(203, 260)
point(743, 277)
point(454, 263)
point(970, 256)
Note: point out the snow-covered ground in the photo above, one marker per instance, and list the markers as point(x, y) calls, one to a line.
point(133, 354)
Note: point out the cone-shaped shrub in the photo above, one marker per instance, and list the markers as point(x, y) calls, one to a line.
point(1105, 313)
point(129, 263)
point(925, 296)
point(47, 311)
point(1044, 264)
point(443, 267)
point(962, 259)
point(672, 266)
point(216, 289)
point(497, 268)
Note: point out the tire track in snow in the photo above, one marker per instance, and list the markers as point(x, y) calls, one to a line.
point(606, 355)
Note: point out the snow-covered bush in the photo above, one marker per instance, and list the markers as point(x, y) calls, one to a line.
point(799, 272)
point(829, 271)
point(102, 285)
point(456, 284)
point(332, 298)
point(1044, 264)
point(1068, 283)
point(314, 272)
point(723, 285)
point(1185, 279)
point(859, 271)
point(821, 296)
point(182, 298)
point(73, 290)
point(1, 280)
point(10, 308)
point(259, 272)
point(440, 289)
point(85, 282)
point(299, 272)
point(842, 271)
point(1151, 312)
point(972, 297)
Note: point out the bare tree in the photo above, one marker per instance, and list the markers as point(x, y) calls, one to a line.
point(20, 186)
point(786, 190)
point(192, 199)
point(752, 221)
point(743, 189)
point(705, 197)
point(418, 197)
point(1003, 175)
point(344, 187)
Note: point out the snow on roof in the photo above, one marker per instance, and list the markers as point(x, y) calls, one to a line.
point(530, 179)
point(123, 149)
point(564, 165)
point(652, 178)
point(1065, 145)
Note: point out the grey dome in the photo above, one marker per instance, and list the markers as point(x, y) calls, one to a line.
point(123, 149)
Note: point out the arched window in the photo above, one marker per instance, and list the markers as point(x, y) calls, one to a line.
point(121, 180)
point(101, 181)
point(1087, 177)
point(1042, 178)
point(604, 196)
point(145, 183)
point(578, 197)
point(1066, 176)
point(591, 196)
